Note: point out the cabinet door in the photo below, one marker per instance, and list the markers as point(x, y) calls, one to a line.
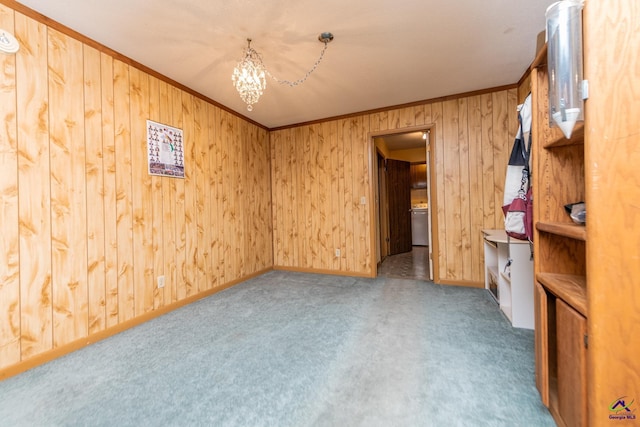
point(572, 365)
point(541, 341)
point(419, 176)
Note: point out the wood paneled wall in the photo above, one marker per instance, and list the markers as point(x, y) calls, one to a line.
point(85, 230)
point(321, 171)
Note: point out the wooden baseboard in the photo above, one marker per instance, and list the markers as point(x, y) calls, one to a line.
point(321, 271)
point(54, 353)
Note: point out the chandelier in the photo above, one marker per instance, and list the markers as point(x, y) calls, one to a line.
point(250, 75)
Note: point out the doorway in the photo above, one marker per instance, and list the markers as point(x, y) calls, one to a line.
point(397, 200)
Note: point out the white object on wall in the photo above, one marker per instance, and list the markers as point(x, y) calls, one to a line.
point(8, 43)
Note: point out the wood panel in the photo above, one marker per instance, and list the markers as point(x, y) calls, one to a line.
point(10, 242)
point(212, 196)
point(68, 189)
point(363, 200)
point(488, 165)
point(476, 195)
point(157, 235)
point(94, 167)
point(501, 134)
point(242, 191)
point(324, 181)
point(572, 365)
point(277, 188)
point(258, 217)
point(307, 180)
point(437, 141)
point(452, 196)
point(168, 208)
point(142, 190)
point(124, 215)
point(218, 196)
point(202, 205)
point(286, 173)
point(465, 190)
point(311, 146)
point(227, 162)
point(110, 191)
point(331, 140)
point(190, 208)
point(293, 211)
point(34, 191)
point(301, 211)
point(344, 133)
point(178, 190)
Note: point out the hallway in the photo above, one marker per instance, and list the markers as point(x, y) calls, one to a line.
point(408, 265)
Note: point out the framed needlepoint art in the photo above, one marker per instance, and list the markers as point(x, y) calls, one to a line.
point(165, 150)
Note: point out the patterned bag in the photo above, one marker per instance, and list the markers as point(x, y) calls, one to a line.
point(518, 204)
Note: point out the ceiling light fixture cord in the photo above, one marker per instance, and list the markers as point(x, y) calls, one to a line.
point(306, 76)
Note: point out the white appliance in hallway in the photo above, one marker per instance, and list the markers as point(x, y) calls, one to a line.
point(420, 225)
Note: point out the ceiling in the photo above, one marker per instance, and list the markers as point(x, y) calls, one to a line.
point(403, 141)
point(385, 52)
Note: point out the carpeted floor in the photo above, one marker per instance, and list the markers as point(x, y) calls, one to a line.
point(293, 349)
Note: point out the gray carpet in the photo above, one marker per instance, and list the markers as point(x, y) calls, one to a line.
point(293, 349)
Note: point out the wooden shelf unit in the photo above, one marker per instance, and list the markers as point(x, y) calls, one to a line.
point(560, 293)
point(514, 281)
point(587, 278)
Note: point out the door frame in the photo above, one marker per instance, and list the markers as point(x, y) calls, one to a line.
point(431, 194)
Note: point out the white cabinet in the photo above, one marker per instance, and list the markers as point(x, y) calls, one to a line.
point(509, 276)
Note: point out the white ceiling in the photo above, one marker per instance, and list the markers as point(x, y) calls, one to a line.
point(385, 52)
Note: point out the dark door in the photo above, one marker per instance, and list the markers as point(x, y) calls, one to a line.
point(399, 199)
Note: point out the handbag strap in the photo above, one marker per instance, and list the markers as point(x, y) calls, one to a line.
point(526, 150)
point(526, 153)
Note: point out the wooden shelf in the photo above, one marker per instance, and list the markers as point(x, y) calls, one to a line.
point(572, 231)
point(568, 287)
point(557, 138)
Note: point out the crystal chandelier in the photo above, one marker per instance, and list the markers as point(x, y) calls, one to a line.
point(249, 76)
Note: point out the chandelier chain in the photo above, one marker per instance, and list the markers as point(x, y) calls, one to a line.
point(249, 76)
point(305, 77)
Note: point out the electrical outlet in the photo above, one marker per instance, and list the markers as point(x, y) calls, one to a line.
point(337, 252)
point(363, 200)
point(161, 281)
